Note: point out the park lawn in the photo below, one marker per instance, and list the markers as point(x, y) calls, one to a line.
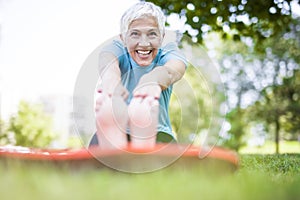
point(258, 177)
point(269, 148)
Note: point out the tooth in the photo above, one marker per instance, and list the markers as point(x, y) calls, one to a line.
point(143, 52)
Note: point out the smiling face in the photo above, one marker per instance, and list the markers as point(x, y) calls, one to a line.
point(143, 40)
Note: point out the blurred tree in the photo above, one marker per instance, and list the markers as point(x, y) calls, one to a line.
point(256, 19)
point(280, 107)
point(261, 49)
point(3, 133)
point(247, 73)
point(291, 90)
point(240, 70)
point(238, 123)
point(31, 126)
point(191, 105)
point(279, 102)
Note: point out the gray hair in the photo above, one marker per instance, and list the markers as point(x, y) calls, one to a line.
point(140, 10)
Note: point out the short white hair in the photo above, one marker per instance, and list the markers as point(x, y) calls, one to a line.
point(140, 10)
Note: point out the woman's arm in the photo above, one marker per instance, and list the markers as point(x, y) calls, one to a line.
point(160, 78)
point(110, 75)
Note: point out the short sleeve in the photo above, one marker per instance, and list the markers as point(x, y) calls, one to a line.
point(116, 47)
point(171, 52)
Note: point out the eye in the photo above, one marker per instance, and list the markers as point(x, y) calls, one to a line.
point(153, 33)
point(134, 33)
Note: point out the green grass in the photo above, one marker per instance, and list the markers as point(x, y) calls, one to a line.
point(259, 177)
point(269, 148)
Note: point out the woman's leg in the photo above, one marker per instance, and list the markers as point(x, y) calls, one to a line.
point(111, 122)
point(143, 120)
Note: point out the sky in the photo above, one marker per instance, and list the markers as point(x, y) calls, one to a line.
point(43, 43)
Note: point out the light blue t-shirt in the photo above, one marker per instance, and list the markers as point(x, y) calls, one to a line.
point(131, 73)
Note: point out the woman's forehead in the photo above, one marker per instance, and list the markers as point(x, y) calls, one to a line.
point(144, 23)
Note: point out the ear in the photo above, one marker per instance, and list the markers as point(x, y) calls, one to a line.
point(122, 38)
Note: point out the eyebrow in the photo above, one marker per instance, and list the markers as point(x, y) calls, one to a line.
point(138, 30)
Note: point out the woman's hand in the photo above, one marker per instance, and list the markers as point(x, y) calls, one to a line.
point(114, 90)
point(148, 89)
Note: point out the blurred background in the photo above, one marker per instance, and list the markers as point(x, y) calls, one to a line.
point(254, 47)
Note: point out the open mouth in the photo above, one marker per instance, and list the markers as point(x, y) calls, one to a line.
point(144, 52)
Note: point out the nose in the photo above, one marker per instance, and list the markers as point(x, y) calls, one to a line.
point(144, 42)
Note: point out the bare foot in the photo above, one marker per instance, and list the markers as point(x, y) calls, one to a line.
point(111, 122)
point(143, 119)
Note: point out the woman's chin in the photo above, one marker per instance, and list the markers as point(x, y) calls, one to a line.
point(144, 63)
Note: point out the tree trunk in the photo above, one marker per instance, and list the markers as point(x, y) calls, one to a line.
point(277, 128)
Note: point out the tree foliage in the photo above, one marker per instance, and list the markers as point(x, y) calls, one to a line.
point(31, 126)
point(191, 105)
point(280, 107)
point(251, 76)
point(256, 19)
point(259, 56)
point(238, 125)
point(3, 133)
point(279, 103)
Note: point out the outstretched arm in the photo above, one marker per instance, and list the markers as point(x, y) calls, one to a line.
point(110, 75)
point(160, 78)
point(111, 109)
